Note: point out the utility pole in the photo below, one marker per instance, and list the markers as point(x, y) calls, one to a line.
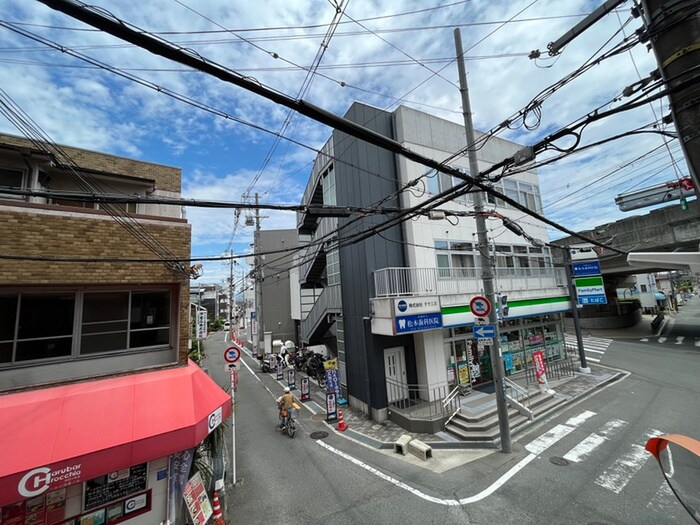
point(574, 310)
point(230, 293)
point(674, 32)
point(485, 259)
point(258, 284)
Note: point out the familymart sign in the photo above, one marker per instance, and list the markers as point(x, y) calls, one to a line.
point(590, 290)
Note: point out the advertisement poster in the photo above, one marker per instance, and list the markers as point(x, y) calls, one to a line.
point(463, 372)
point(540, 369)
point(280, 371)
point(197, 500)
point(291, 378)
point(332, 383)
point(508, 362)
point(331, 407)
point(451, 374)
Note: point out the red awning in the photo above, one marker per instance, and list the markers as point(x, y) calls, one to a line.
point(58, 436)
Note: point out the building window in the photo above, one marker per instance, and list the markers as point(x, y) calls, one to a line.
point(522, 256)
point(455, 259)
point(41, 326)
point(522, 192)
point(328, 184)
point(643, 287)
point(10, 178)
point(438, 182)
point(333, 267)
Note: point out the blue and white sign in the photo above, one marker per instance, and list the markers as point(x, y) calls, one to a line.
point(592, 299)
point(487, 331)
point(416, 305)
point(417, 323)
point(582, 269)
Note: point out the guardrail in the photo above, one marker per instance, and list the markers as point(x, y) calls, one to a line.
point(518, 396)
point(390, 282)
point(425, 402)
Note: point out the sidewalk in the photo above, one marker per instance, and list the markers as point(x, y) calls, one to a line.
point(383, 435)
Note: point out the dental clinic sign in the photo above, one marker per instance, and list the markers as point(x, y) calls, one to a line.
point(415, 314)
point(417, 323)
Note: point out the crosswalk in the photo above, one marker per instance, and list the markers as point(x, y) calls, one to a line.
point(594, 347)
point(672, 340)
point(615, 474)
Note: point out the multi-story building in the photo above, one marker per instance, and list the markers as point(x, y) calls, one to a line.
point(394, 306)
point(98, 401)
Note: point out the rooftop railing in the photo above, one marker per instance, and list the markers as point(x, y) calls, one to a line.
point(392, 282)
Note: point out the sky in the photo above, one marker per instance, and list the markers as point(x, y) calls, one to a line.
point(383, 53)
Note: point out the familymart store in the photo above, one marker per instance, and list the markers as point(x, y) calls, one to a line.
point(531, 325)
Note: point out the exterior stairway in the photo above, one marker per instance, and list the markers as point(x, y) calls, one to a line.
point(483, 426)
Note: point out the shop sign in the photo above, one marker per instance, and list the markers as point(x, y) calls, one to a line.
point(540, 369)
point(416, 305)
point(39, 480)
point(584, 269)
point(118, 485)
point(291, 378)
point(536, 339)
point(201, 325)
point(331, 407)
point(332, 381)
point(590, 290)
point(305, 389)
point(280, 371)
point(197, 501)
point(417, 323)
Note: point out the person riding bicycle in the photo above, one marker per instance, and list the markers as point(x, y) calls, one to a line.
point(285, 403)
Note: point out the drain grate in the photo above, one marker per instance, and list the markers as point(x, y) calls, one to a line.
point(556, 460)
point(318, 435)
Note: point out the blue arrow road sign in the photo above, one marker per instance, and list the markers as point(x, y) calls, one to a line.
point(486, 331)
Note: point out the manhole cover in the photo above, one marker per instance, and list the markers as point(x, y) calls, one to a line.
point(318, 435)
point(559, 461)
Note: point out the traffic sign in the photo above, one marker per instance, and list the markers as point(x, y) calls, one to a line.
point(232, 354)
point(481, 321)
point(480, 306)
point(487, 331)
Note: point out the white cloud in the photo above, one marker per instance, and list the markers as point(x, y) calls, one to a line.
point(95, 109)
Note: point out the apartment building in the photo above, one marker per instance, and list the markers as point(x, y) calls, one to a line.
point(394, 306)
point(99, 405)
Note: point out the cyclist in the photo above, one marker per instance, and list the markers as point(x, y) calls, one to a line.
point(285, 403)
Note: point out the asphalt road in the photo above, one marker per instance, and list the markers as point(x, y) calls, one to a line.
point(607, 478)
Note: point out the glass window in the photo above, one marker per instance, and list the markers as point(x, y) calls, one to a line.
point(8, 318)
point(45, 326)
point(441, 245)
point(12, 179)
point(333, 267)
point(433, 182)
point(150, 319)
point(105, 322)
point(328, 184)
point(461, 246)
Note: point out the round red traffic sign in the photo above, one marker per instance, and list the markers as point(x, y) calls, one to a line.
point(232, 354)
point(480, 306)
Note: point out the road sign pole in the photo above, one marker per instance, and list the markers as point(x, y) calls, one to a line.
point(574, 310)
point(485, 258)
point(233, 424)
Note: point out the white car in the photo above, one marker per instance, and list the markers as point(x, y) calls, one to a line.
point(227, 325)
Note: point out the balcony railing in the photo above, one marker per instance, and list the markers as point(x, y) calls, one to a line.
point(391, 282)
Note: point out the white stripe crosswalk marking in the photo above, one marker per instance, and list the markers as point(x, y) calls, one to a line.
point(697, 341)
point(593, 441)
point(546, 440)
point(594, 351)
point(592, 359)
point(619, 474)
point(679, 339)
point(616, 477)
point(663, 500)
point(644, 340)
point(662, 339)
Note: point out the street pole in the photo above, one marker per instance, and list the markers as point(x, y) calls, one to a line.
point(674, 30)
point(230, 293)
point(258, 284)
point(233, 422)
point(485, 259)
point(574, 310)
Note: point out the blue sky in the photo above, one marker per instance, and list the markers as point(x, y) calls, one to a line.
point(382, 53)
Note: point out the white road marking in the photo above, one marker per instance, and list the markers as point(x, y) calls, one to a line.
point(644, 340)
point(546, 440)
point(592, 359)
point(595, 351)
point(441, 501)
point(664, 499)
point(570, 425)
point(593, 441)
point(619, 474)
point(679, 339)
point(697, 341)
point(662, 339)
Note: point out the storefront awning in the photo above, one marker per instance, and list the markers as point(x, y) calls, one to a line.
point(59, 436)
